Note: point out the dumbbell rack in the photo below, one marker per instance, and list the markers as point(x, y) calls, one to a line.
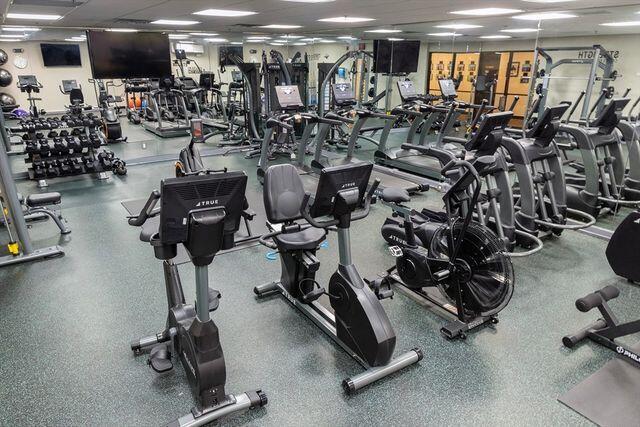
point(72, 151)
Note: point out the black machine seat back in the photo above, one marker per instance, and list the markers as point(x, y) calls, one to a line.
point(283, 194)
point(611, 116)
point(547, 125)
point(76, 97)
point(488, 136)
point(191, 159)
point(202, 212)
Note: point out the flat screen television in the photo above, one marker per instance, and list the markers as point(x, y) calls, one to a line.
point(229, 50)
point(402, 54)
point(116, 55)
point(60, 55)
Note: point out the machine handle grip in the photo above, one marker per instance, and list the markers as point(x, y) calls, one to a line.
point(147, 210)
point(367, 202)
point(304, 209)
point(337, 117)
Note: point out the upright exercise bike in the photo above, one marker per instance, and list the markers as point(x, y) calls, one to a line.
point(358, 322)
point(204, 224)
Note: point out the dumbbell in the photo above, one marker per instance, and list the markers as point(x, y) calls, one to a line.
point(74, 164)
point(44, 148)
point(64, 133)
point(52, 134)
point(51, 168)
point(88, 163)
point(38, 170)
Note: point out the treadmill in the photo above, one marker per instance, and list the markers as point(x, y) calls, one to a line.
point(412, 161)
point(344, 99)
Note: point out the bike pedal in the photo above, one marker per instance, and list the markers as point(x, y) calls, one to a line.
point(160, 359)
point(396, 251)
point(313, 295)
point(214, 299)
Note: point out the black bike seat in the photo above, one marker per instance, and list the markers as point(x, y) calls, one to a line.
point(395, 195)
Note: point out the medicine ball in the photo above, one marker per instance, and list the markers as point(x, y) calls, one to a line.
point(6, 99)
point(3, 57)
point(5, 78)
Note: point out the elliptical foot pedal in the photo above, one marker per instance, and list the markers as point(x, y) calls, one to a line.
point(160, 359)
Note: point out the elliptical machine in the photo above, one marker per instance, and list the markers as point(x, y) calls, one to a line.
point(447, 258)
point(204, 225)
point(358, 322)
point(111, 127)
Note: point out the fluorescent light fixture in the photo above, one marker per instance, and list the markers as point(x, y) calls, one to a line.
point(520, 30)
point(311, 39)
point(445, 34)
point(280, 41)
point(12, 36)
point(276, 44)
point(291, 36)
point(122, 30)
point(224, 12)
point(19, 40)
point(458, 26)
point(34, 16)
point(540, 16)
point(298, 44)
point(216, 40)
point(178, 36)
point(204, 34)
point(496, 36)
point(177, 23)
point(282, 26)
point(236, 43)
point(20, 29)
point(347, 38)
point(621, 24)
point(258, 37)
point(184, 42)
point(346, 19)
point(487, 11)
point(384, 31)
point(394, 39)
point(326, 41)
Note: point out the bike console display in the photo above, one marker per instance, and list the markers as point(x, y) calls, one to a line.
point(341, 179)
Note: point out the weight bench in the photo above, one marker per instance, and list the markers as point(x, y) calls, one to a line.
point(36, 206)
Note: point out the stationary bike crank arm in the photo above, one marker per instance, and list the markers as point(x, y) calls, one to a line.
point(245, 401)
point(372, 375)
point(590, 220)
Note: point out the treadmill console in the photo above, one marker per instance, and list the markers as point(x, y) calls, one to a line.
point(289, 97)
point(407, 90)
point(343, 94)
point(69, 85)
point(448, 88)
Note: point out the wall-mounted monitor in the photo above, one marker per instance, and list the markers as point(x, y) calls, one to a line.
point(60, 55)
point(402, 54)
point(116, 55)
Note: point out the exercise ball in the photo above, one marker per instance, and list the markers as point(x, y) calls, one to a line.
point(6, 99)
point(3, 57)
point(5, 78)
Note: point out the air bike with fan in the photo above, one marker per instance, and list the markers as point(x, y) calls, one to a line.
point(447, 259)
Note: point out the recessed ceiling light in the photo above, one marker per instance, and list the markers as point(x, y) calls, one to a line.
point(496, 36)
point(487, 11)
point(175, 22)
point(34, 16)
point(20, 29)
point(443, 34)
point(383, 31)
point(236, 43)
point(178, 36)
point(621, 24)
point(544, 15)
point(216, 40)
point(346, 19)
point(394, 39)
point(458, 26)
point(282, 26)
point(123, 30)
point(224, 12)
point(205, 34)
point(520, 30)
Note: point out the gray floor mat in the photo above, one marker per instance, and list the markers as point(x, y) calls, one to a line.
point(609, 397)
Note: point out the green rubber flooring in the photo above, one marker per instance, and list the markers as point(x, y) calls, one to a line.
point(67, 324)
